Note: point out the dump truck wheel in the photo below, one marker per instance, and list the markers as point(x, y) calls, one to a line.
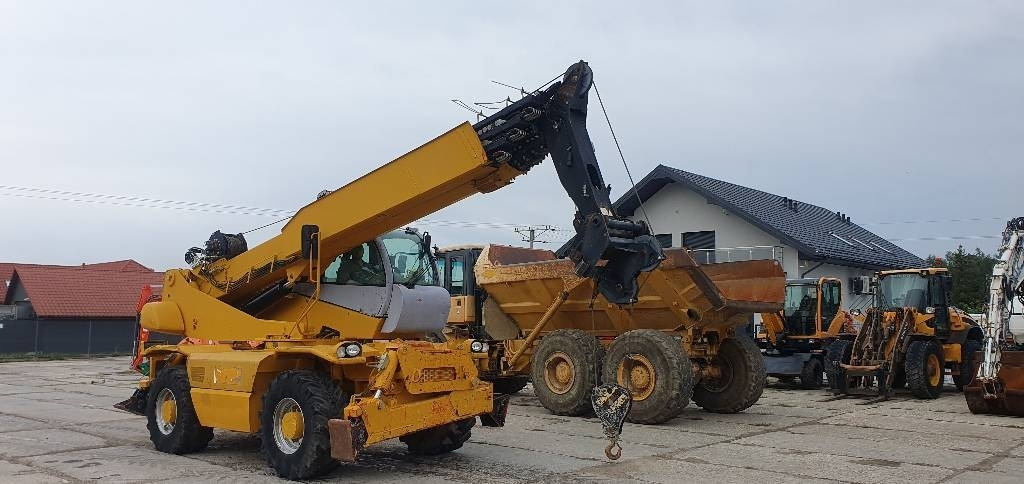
point(171, 418)
point(293, 423)
point(924, 368)
point(838, 352)
point(441, 439)
point(811, 375)
point(742, 378)
point(655, 369)
point(509, 384)
point(565, 369)
point(966, 376)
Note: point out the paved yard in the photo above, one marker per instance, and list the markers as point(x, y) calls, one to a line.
point(56, 425)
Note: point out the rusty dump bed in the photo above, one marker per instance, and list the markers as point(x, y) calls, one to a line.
point(679, 294)
point(1008, 398)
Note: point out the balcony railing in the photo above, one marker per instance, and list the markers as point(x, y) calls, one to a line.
point(736, 254)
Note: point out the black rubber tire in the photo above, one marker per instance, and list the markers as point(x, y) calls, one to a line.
point(320, 399)
point(673, 374)
point(966, 376)
point(743, 377)
point(899, 380)
point(811, 376)
point(916, 368)
point(441, 439)
point(508, 385)
point(839, 351)
point(587, 357)
point(187, 435)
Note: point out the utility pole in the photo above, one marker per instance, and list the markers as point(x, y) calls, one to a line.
point(530, 233)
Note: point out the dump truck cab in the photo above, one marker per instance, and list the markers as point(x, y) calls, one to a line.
point(794, 341)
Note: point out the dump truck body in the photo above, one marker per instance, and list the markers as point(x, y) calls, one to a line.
point(684, 316)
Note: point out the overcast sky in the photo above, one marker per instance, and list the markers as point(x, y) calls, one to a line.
point(887, 111)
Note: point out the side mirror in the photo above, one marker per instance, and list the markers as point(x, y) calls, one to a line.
point(310, 242)
point(426, 242)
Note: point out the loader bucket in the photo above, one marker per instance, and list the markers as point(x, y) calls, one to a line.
point(1006, 395)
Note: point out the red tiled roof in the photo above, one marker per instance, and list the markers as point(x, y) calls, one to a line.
point(106, 290)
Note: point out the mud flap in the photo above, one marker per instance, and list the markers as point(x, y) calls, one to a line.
point(136, 403)
point(611, 405)
point(497, 417)
point(347, 438)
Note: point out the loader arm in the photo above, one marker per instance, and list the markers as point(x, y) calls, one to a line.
point(462, 162)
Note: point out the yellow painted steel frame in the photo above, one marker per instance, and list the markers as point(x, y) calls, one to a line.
point(421, 385)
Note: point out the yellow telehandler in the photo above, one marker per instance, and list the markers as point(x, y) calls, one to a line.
point(318, 334)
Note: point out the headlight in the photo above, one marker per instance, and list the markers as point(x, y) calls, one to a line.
point(349, 350)
point(478, 347)
point(856, 312)
point(929, 310)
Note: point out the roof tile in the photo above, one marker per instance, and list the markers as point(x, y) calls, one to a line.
point(105, 290)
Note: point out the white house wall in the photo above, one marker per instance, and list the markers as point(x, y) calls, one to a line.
point(675, 210)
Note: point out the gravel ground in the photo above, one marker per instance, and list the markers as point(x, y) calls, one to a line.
point(57, 425)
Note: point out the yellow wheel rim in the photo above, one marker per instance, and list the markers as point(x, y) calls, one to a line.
point(559, 373)
point(291, 425)
point(934, 370)
point(166, 411)
point(636, 373)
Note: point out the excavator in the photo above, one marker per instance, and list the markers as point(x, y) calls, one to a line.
point(794, 340)
point(911, 337)
point(998, 386)
point(319, 333)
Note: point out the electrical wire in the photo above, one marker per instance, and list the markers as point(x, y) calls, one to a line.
point(623, 157)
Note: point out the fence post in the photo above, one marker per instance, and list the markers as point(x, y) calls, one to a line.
point(35, 344)
point(88, 346)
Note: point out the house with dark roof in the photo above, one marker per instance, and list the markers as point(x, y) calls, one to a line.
point(721, 221)
point(83, 309)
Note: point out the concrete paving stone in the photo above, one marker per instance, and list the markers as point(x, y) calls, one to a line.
point(813, 464)
point(57, 412)
point(45, 441)
point(834, 443)
point(670, 471)
point(974, 477)
point(648, 435)
point(922, 424)
point(578, 446)
point(12, 423)
point(1018, 451)
point(933, 441)
point(9, 389)
point(124, 464)
point(61, 395)
point(115, 392)
point(1013, 466)
point(127, 431)
point(21, 474)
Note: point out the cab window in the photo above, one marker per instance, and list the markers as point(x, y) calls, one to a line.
point(360, 266)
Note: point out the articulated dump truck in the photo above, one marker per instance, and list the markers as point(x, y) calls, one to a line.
point(316, 339)
point(679, 341)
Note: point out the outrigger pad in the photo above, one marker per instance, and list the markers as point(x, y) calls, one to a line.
point(611, 404)
point(347, 438)
point(497, 416)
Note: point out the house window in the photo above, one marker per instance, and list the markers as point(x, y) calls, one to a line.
point(701, 245)
point(665, 240)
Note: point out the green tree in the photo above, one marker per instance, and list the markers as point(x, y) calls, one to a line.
point(970, 273)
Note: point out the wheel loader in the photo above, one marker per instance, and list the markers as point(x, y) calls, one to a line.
point(794, 340)
point(319, 333)
point(999, 384)
point(678, 343)
point(911, 337)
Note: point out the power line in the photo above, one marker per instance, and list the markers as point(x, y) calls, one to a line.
point(193, 206)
